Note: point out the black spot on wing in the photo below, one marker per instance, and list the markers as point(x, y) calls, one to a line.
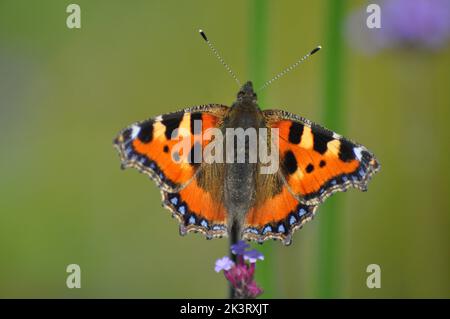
point(309, 168)
point(346, 153)
point(195, 154)
point(146, 132)
point(171, 122)
point(295, 132)
point(289, 163)
point(196, 124)
point(321, 139)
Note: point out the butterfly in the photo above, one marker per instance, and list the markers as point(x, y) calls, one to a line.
point(215, 197)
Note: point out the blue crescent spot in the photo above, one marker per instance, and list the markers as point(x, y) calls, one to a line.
point(192, 220)
point(127, 143)
point(361, 172)
point(281, 228)
point(182, 210)
point(217, 227)
point(301, 212)
point(204, 223)
point(267, 229)
point(333, 182)
point(292, 220)
point(354, 178)
point(344, 178)
point(174, 200)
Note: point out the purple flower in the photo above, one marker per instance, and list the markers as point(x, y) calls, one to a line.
point(239, 248)
point(418, 22)
point(224, 263)
point(404, 23)
point(241, 274)
point(241, 277)
point(253, 255)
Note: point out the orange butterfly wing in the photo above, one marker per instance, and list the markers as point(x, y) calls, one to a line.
point(149, 146)
point(317, 162)
point(314, 164)
point(277, 217)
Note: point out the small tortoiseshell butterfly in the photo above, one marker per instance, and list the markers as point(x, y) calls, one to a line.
point(213, 198)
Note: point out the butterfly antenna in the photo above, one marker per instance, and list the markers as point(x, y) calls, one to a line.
point(216, 53)
point(293, 66)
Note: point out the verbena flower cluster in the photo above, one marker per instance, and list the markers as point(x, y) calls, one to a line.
point(241, 274)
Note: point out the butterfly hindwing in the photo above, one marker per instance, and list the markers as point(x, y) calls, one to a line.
point(277, 213)
point(197, 210)
point(150, 147)
point(316, 162)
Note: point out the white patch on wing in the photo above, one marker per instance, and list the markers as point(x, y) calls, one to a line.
point(135, 131)
point(358, 152)
point(336, 136)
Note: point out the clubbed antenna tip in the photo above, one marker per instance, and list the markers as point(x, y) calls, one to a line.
point(293, 66)
point(203, 35)
point(218, 56)
point(315, 50)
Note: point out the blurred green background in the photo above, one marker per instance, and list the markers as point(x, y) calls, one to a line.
point(65, 93)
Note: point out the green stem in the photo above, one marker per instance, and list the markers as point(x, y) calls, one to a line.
point(258, 44)
point(333, 117)
point(258, 74)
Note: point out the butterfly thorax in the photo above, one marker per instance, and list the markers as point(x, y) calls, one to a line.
point(246, 98)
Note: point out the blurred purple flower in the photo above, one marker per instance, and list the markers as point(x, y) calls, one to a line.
point(241, 274)
point(422, 22)
point(404, 23)
point(253, 255)
point(239, 248)
point(224, 263)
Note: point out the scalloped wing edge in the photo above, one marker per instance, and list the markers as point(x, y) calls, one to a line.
point(188, 221)
point(289, 226)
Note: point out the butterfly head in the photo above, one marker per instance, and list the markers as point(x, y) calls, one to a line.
point(246, 94)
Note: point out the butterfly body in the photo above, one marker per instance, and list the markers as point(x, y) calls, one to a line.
point(240, 193)
point(239, 178)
